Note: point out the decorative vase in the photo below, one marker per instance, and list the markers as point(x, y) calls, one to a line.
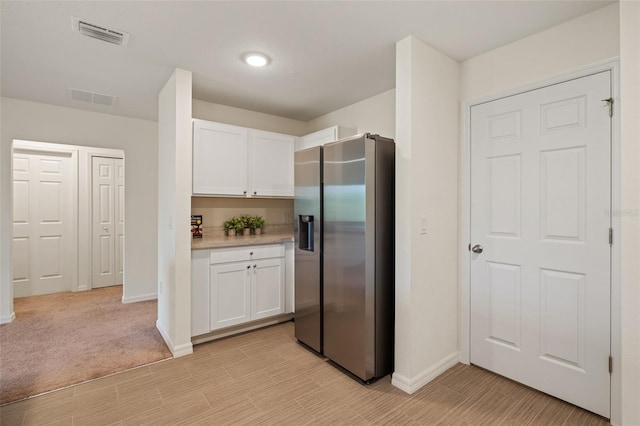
point(246, 231)
point(231, 232)
point(258, 231)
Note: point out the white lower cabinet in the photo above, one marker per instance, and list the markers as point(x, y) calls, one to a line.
point(231, 286)
point(230, 297)
point(267, 288)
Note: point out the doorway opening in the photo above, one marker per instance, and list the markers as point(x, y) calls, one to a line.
point(68, 218)
point(68, 237)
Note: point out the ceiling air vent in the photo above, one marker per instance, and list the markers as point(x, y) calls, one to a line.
point(94, 98)
point(118, 37)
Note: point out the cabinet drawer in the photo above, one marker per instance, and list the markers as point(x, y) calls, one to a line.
point(239, 254)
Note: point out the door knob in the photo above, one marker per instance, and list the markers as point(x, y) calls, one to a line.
point(477, 248)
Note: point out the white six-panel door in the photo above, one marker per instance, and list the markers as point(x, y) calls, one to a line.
point(108, 221)
point(43, 206)
point(540, 197)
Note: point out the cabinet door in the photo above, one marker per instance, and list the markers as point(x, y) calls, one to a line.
point(271, 164)
point(320, 137)
point(324, 136)
point(230, 297)
point(219, 159)
point(267, 288)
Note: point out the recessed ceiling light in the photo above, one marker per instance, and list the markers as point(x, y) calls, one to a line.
point(256, 59)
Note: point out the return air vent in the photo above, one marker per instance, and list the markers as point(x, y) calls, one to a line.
point(94, 98)
point(118, 37)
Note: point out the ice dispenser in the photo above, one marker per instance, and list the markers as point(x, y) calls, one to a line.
point(305, 232)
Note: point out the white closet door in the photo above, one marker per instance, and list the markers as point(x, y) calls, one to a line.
point(108, 221)
point(540, 270)
point(42, 224)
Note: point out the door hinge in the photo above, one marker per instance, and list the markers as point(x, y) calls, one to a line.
point(610, 364)
point(609, 102)
point(610, 236)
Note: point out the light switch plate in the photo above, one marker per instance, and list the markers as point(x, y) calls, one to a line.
point(423, 225)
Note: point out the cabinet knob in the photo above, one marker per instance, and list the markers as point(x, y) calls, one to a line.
point(244, 192)
point(248, 266)
point(250, 253)
point(254, 266)
point(255, 192)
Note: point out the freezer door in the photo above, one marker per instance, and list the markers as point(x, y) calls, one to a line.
point(308, 247)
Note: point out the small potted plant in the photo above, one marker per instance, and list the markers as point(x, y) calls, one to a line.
point(258, 224)
point(238, 225)
point(230, 226)
point(246, 221)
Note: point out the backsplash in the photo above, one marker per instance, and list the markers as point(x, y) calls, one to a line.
point(214, 211)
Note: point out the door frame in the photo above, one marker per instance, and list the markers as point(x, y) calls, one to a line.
point(464, 266)
point(81, 159)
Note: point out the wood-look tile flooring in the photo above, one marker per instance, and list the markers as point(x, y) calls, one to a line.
point(266, 378)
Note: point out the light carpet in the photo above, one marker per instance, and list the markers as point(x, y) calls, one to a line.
point(66, 338)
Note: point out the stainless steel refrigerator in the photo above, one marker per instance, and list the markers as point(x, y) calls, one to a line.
point(344, 258)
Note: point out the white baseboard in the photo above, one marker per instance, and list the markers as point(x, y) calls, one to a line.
point(8, 319)
point(230, 331)
point(176, 351)
point(182, 350)
point(410, 385)
point(141, 298)
point(164, 335)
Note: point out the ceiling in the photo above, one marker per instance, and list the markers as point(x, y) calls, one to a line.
point(324, 54)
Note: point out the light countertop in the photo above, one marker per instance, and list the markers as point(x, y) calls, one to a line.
point(211, 242)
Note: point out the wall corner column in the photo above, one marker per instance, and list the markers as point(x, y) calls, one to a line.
point(174, 209)
point(628, 410)
point(427, 130)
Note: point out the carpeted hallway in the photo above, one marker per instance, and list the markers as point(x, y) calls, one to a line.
point(66, 338)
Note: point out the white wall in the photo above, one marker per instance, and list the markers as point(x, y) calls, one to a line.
point(376, 114)
point(564, 48)
point(427, 85)
point(137, 138)
point(242, 117)
point(174, 213)
point(630, 233)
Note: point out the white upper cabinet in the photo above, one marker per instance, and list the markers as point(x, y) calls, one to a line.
point(271, 164)
point(220, 153)
point(237, 161)
point(324, 136)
